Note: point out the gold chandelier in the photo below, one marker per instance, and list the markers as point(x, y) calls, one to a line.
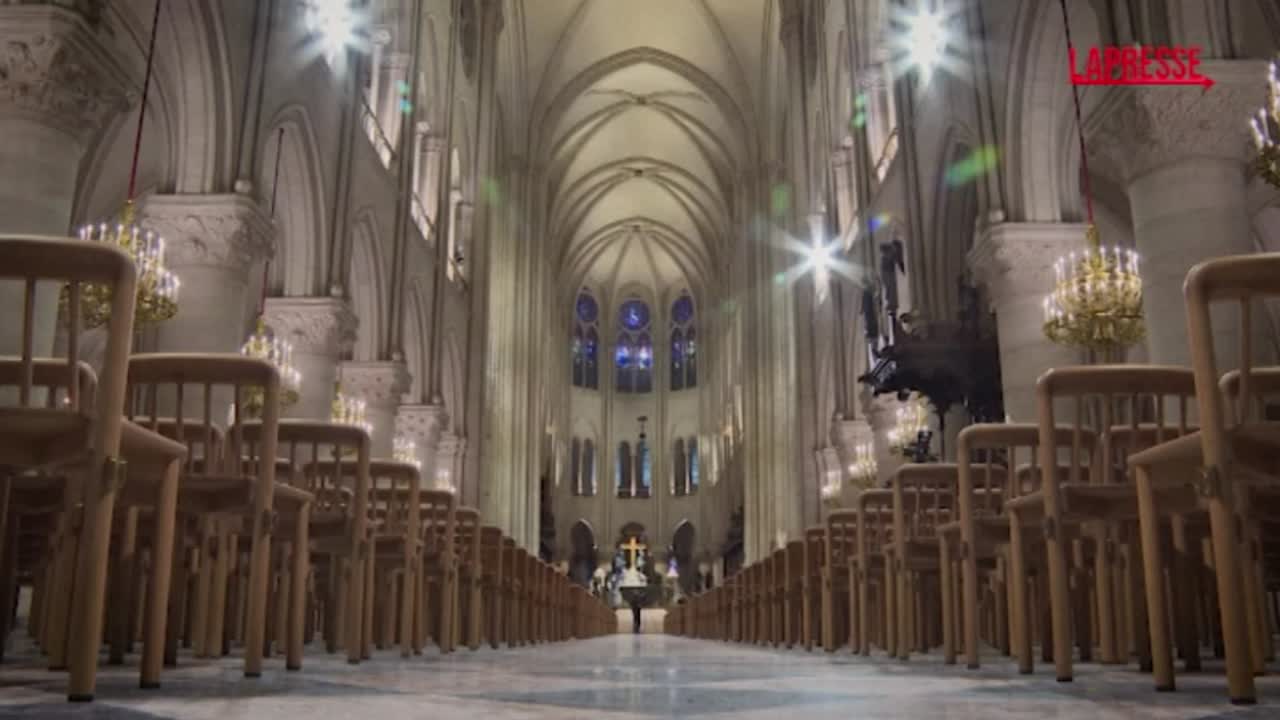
point(1266, 130)
point(405, 450)
point(912, 420)
point(157, 285)
point(279, 353)
point(347, 410)
point(1096, 301)
point(864, 470)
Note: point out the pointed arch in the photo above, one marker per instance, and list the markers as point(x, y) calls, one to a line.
point(299, 201)
point(367, 286)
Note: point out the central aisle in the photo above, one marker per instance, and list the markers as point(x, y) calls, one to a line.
point(622, 677)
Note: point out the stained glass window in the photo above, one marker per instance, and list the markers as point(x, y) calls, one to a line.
point(585, 341)
point(693, 465)
point(633, 351)
point(684, 366)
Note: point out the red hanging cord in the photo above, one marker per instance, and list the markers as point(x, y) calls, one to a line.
point(142, 111)
point(1075, 96)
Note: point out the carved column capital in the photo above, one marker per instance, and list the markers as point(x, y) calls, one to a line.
point(1015, 260)
point(56, 70)
point(1145, 128)
point(228, 231)
point(315, 325)
point(423, 423)
point(379, 383)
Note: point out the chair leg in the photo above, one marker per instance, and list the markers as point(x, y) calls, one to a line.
point(301, 560)
point(100, 489)
point(120, 585)
point(948, 604)
point(1019, 607)
point(1153, 573)
point(162, 553)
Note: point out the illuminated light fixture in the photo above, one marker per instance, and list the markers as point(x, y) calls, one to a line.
point(864, 469)
point(911, 428)
point(444, 481)
point(832, 489)
point(347, 410)
point(1265, 127)
point(266, 346)
point(405, 450)
point(333, 23)
point(926, 40)
point(1096, 299)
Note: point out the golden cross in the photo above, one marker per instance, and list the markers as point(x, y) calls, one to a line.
point(634, 547)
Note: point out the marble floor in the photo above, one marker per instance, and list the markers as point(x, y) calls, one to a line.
point(623, 677)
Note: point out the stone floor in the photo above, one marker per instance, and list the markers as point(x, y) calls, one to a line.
point(625, 676)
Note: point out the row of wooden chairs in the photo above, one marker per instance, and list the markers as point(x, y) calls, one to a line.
point(123, 497)
point(1067, 533)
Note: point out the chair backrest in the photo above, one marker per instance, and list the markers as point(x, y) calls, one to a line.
point(50, 376)
point(875, 521)
point(841, 542)
point(1260, 405)
point(394, 498)
point(1246, 279)
point(924, 498)
point(84, 267)
point(815, 549)
point(190, 381)
point(990, 457)
point(1128, 408)
point(329, 460)
point(466, 538)
point(438, 521)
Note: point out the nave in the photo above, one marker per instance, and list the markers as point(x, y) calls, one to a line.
point(622, 677)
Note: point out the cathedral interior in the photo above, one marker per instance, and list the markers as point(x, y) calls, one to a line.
point(639, 358)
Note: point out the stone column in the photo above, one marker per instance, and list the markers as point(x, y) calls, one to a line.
point(1183, 153)
point(380, 385)
point(423, 424)
point(213, 242)
point(1015, 263)
point(60, 84)
point(322, 330)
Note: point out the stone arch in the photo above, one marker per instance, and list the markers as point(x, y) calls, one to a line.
point(299, 201)
point(202, 83)
point(583, 552)
point(367, 285)
point(954, 216)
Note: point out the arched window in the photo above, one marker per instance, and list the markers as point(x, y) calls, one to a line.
point(588, 468)
point(684, 359)
point(575, 454)
point(585, 341)
point(679, 482)
point(644, 474)
point(633, 351)
point(624, 469)
point(693, 465)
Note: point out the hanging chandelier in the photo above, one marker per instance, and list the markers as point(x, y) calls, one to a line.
point(1266, 130)
point(1096, 300)
point(266, 346)
point(864, 470)
point(405, 450)
point(157, 299)
point(911, 426)
point(157, 285)
point(347, 410)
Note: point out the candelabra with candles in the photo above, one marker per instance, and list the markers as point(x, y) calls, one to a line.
point(1266, 130)
point(864, 469)
point(278, 352)
point(1096, 300)
point(910, 435)
point(157, 285)
point(405, 450)
point(347, 410)
point(831, 490)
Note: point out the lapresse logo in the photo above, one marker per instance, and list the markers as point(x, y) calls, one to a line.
point(1139, 65)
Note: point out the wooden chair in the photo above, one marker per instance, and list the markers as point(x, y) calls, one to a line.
point(838, 589)
point(398, 544)
point(238, 485)
point(874, 590)
point(89, 447)
point(493, 567)
point(1232, 467)
point(439, 572)
point(923, 500)
point(1125, 405)
point(470, 619)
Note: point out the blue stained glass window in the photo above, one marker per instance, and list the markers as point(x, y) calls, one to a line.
point(634, 315)
point(693, 465)
point(682, 310)
point(624, 356)
point(645, 352)
point(587, 309)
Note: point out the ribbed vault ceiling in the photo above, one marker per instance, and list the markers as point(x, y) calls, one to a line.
point(641, 114)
